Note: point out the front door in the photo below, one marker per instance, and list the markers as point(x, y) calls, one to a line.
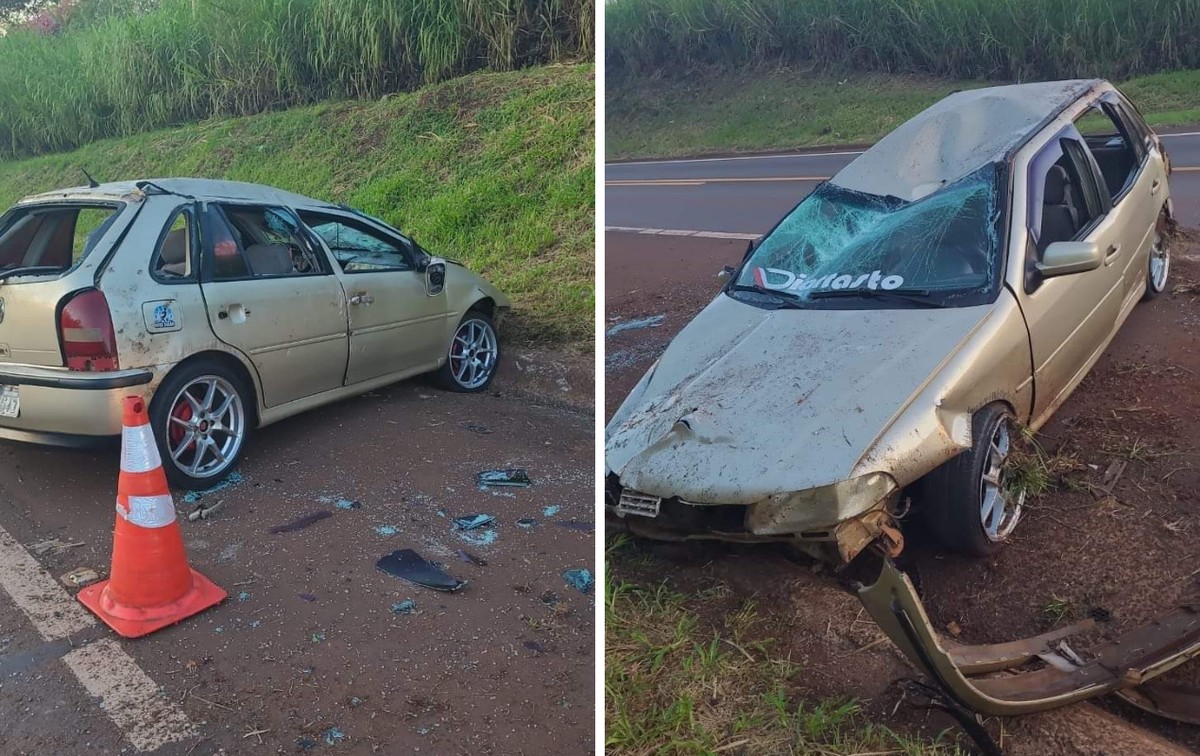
point(1071, 318)
point(273, 295)
point(396, 327)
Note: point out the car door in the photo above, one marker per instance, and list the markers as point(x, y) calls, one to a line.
point(271, 293)
point(1072, 317)
point(396, 326)
point(1132, 183)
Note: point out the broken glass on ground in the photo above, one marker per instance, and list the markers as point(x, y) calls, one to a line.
point(407, 564)
point(470, 522)
point(526, 522)
point(653, 321)
point(516, 478)
point(407, 606)
point(580, 579)
point(301, 522)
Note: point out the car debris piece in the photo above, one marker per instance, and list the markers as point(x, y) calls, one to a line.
point(407, 564)
point(52, 546)
point(80, 577)
point(202, 512)
point(300, 523)
point(407, 606)
point(967, 672)
point(537, 648)
point(482, 430)
point(515, 478)
point(526, 522)
point(552, 510)
point(466, 556)
point(470, 522)
point(307, 596)
point(1170, 700)
point(581, 580)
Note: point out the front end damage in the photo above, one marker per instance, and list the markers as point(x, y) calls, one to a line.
point(1042, 672)
point(833, 523)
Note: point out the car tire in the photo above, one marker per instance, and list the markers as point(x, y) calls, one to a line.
point(1158, 266)
point(206, 421)
point(475, 337)
point(959, 496)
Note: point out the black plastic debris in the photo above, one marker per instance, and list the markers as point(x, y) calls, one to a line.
point(549, 598)
point(470, 522)
point(515, 478)
point(583, 526)
point(482, 430)
point(466, 556)
point(301, 523)
point(535, 647)
point(407, 564)
point(526, 522)
point(307, 596)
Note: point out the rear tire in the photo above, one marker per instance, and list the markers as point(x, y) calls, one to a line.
point(201, 417)
point(472, 357)
point(961, 498)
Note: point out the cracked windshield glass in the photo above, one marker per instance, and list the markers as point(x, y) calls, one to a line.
point(944, 245)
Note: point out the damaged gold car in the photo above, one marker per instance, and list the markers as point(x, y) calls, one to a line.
point(885, 340)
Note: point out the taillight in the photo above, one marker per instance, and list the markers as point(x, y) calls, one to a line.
point(86, 330)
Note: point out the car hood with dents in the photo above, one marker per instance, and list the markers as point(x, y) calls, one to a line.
point(749, 402)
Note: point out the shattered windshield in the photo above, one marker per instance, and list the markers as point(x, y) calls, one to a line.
point(844, 246)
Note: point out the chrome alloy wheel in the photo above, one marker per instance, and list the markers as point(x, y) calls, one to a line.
point(999, 508)
point(206, 426)
point(473, 354)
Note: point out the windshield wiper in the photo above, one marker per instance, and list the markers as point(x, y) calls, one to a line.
point(913, 296)
point(784, 301)
point(30, 270)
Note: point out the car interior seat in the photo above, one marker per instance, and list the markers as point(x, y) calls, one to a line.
point(269, 259)
point(1060, 209)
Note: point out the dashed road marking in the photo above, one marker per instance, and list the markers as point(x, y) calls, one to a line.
point(134, 702)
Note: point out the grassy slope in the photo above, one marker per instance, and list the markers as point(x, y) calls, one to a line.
point(495, 170)
point(787, 108)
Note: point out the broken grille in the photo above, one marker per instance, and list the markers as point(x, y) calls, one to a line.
point(634, 503)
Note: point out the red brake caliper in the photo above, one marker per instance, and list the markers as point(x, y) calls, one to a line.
point(182, 411)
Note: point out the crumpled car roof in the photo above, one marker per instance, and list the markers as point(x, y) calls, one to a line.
point(956, 136)
point(208, 189)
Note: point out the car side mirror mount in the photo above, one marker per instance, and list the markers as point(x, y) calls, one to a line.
point(435, 276)
point(726, 273)
point(1067, 257)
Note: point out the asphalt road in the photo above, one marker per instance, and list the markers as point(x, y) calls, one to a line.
point(312, 651)
point(748, 194)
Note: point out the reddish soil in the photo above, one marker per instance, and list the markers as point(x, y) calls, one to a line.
point(1129, 557)
point(504, 666)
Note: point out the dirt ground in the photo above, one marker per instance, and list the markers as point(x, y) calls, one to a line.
point(308, 653)
point(1125, 558)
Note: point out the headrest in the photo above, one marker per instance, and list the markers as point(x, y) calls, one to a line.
point(174, 248)
point(1056, 186)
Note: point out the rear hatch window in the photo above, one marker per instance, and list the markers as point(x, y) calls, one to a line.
point(51, 238)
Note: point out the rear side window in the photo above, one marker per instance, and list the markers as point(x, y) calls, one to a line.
point(54, 237)
point(173, 260)
point(259, 242)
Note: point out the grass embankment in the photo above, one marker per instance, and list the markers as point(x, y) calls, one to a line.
point(493, 169)
point(715, 110)
point(675, 683)
point(1012, 39)
point(125, 72)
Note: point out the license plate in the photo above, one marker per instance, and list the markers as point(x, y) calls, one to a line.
point(10, 401)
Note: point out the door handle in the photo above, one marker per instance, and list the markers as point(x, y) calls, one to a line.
point(362, 298)
point(1154, 187)
point(1111, 256)
point(235, 312)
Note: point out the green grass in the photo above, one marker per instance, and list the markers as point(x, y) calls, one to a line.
point(737, 110)
point(674, 684)
point(1009, 39)
point(186, 60)
point(493, 169)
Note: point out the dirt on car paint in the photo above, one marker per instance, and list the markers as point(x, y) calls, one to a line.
point(316, 648)
point(1124, 558)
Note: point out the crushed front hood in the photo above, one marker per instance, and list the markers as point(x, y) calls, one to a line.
point(748, 402)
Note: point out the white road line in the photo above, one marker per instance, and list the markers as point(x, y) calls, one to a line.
point(682, 232)
point(131, 699)
point(1180, 134)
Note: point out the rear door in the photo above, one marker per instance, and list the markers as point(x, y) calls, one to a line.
point(395, 325)
point(272, 294)
point(1071, 318)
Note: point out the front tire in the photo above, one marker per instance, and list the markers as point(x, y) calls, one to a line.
point(968, 506)
point(200, 416)
point(473, 356)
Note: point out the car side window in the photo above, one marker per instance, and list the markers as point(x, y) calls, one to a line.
point(258, 242)
point(174, 259)
point(1117, 151)
point(357, 247)
point(1059, 199)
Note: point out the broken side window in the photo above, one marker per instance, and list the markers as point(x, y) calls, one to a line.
point(945, 244)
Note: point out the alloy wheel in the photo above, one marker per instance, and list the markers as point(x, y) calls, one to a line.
point(473, 354)
point(999, 508)
point(205, 427)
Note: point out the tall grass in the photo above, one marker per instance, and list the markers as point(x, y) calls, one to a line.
point(998, 39)
point(188, 60)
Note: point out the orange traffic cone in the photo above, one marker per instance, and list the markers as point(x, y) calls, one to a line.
point(150, 585)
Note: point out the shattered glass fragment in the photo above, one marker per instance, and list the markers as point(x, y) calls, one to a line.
point(515, 477)
point(470, 522)
point(581, 579)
